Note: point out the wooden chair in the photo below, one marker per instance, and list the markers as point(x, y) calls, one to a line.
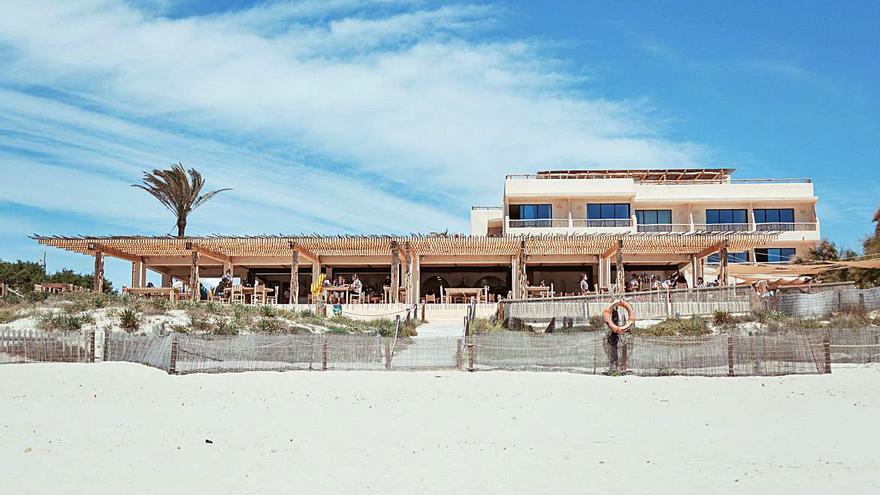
point(356, 297)
point(237, 295)
point(430, 298)
point(270, 299)
point(259, 296)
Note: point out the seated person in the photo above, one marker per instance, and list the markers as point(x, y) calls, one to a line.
point(356, 286)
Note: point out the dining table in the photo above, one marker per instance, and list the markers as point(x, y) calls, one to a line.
point(539, 291)
point(249, 291)
point(343, 290)
point(447, 294)
point(169, 292)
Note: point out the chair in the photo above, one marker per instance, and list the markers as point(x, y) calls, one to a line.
point(270, 299)
point(430, 298)
point(237, 295)
point(259, 296)
point(356, 297)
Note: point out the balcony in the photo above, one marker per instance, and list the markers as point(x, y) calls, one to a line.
point(787, 226)
point(663, 227)
point(790, 231)
point(723, 227)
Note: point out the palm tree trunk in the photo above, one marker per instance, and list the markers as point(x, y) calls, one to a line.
point(181, 227)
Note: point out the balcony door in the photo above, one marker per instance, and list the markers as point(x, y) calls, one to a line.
point(608, 215)
point(727, 220)
point(654, 220)
point(531, 215)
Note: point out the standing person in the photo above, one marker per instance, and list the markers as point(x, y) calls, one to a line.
point(585, 284)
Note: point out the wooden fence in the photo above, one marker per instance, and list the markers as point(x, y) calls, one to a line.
point(20, 346)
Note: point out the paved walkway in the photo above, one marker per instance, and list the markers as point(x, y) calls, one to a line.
point(433, 348)
point(440, 329)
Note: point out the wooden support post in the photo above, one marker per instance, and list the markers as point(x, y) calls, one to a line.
point(693, 271)
point(137, 274)
point(316, 273)
point(417, 281)
point(624, 353)
point(722, 275)
point(105, 352)
point(91, 346)
point(521, 272)
point(514, 277)
point(395, 274)
point(143, 274)
point(194, 277)
point(167, 280)
point(98, 282)
point(324, 355)
point(826, 347)
point(407, 277)
point(294, 278)
point(470, 347)
point(618, 263)
point(729, 355)
point(172, 364)
point(458, 357)
point(423, 312)
point(387, 355)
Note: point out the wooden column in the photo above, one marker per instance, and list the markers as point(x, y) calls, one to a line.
point(618, 263)
point(694, 275)
point(395, 274)
point(227, 265)
point(167, 280)
point(98, 282)
point(407, 276)
point(194, 277)
point(137, 277)
point(316, 270)
point(722, 270)
point(514, 276)
point(143, 274)
point(294, 278)
point(417, 279)
point(520, 281)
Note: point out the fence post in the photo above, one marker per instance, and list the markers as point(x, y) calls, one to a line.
point(91, 346)
point(105, 354)
point(826, 346)
point(624, 354)
point(729, 355)
point(862, 301)
point(172, 366)
point(458, 354)
point(324, 355)
point(471, 355)
point(387, 355)
point(423, 312)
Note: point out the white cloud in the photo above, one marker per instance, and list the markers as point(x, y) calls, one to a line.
point(316, 112)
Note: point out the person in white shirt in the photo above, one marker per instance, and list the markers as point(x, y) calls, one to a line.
point(356, 285)
point(585, 284)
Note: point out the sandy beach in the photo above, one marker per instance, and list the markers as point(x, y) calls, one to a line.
point(118, 427)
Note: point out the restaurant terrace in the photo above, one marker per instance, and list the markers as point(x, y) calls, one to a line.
point(409, 269)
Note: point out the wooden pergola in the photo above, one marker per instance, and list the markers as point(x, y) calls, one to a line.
point(172, 256)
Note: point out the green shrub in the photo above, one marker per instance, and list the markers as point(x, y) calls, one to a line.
point(485, 325)
point(676, 326)
point(720, 317)
point(223, 326)
point(129, 320)
point(596, 323)
point(63, 322)
point(270, 325)
point(8, 314)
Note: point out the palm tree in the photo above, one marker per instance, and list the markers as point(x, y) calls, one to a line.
point(877, 222)
point(179, 192)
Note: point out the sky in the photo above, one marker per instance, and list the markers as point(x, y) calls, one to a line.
point(396, 116)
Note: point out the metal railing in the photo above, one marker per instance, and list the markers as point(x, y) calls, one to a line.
point(594, 223)
point(538, 223)
point(723, 227)
point(786, 226)
point(791, 180)
point(663, 227)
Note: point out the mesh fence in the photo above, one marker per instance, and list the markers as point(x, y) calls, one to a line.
point(46, 347)
point(151, 350)
point(575, 312)
point(855, 346)
point(592, 352)
point(825, 302)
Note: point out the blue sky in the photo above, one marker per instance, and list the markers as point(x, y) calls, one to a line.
point(342, 116)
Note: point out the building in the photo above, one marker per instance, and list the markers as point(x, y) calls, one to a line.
point(550, 230)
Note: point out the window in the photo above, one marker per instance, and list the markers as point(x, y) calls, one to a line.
point(774, 218)
point(531, 215)
point(608, 215)
point(726, 216)
point(654, 217)
point(742, 257)
point(774, 255)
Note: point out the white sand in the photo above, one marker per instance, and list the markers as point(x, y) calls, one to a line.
point(124, 428)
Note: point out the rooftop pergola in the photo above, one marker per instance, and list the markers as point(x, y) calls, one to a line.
point(405, 254)
point(644, 175)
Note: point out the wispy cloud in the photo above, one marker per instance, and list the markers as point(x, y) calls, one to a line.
point(323, 116)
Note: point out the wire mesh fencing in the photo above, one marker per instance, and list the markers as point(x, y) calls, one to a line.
point(151, 350)
point(595, 352)
point(20, 346)
point(855, 346)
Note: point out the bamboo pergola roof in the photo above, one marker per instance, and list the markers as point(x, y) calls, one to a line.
point(661, 175)
point(381, 245)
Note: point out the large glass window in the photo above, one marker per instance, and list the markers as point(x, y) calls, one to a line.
point(774, 218)
point(742, 257)
point(536, 215)
point(607, 211)
point(654, 217)
point(726, 216)
point(774, 255)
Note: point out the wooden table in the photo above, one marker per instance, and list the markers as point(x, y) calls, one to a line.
point(539, 291)
point(168, 292)
point(447, 293)
point(340, 289)
point(386, 296)
point(248, 291)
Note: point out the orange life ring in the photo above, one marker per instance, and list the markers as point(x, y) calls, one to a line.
point(629, 321)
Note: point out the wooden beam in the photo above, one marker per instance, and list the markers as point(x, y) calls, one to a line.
point(714, 248)
point(294, 278)
point(98, 280)
point(723, 278)
point(194, 277)
point(208, 253)
point(618, 263)
point(610, 252)
point(305, 253)
point(395, 273)
point(109, 251)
